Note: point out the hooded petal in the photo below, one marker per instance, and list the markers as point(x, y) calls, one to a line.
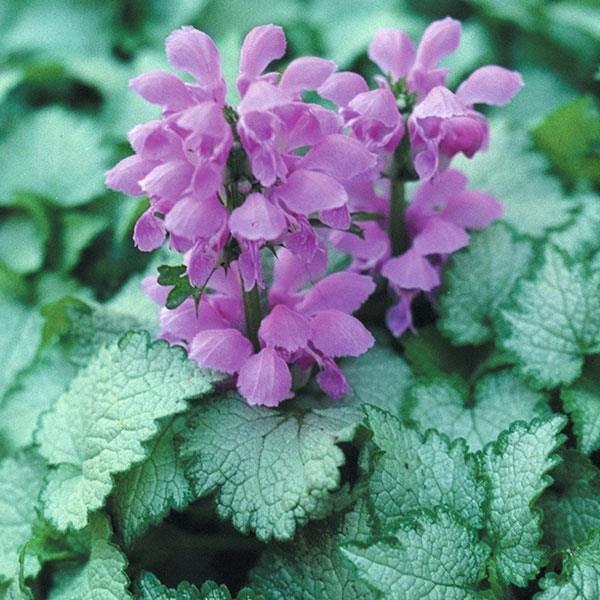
point(411, 271)
point(257, 219)
point(265, 379)
point(399, 317)
point(126, 175)
point(192, 218)
point(200, 265)
point(306, 192)
point(284, 328)
point(162, 88)
point(340, 88)
point(336, 218)
point(193, 51)
point(224, 350)
point(168, 180)
point(148, 232)
point(379, 105)
point(156, 292)
point(305, 73)
point(332, 381)
point(344, 291)
point(490, 85)
point(473, 209)
point(440, 237)
point(334, 333)
point(439, 39)
point(392, 51)
point(339, 156)
point(261, 46)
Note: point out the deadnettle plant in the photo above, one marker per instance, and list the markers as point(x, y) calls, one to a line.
point(225, 182)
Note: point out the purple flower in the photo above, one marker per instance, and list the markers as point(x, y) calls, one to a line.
point(305, 327)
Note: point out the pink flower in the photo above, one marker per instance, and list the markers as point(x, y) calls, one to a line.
point(305, 327)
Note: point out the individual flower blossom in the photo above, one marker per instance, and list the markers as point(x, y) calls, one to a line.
point(442, 123)
point(258, 174)
point(305, 327)
point(441, 211)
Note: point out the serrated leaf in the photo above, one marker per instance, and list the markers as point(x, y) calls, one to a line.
point(534, 202)
point(21, 336)
point(556, 321)
point(515, 467)
point(433, 555)
point(147, 492)
point(270, 469)
point(102, 576)
point(571, 506)
point(582, 401)
point(581, 237)
point(21, 481)
point(98, 427)
point(28, 165)
point(150, 588)
point(580, 576)
point(34, 391)
point(274, 468)
point(477, 281)
point(310, 566)
point(499, 399)
point(417, 472)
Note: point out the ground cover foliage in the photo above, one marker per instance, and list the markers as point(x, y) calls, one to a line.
point(465, 461)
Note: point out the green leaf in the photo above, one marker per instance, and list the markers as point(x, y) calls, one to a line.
point(21, 244)
point(21, 336)
point(274, 468)
point(515, 468)
point(582, 401)
point(21, 480)
point(145, 494)
point(270, 469)
point(150, 588)
point(35, 390)
point(499, 399)
point(571, 506)
point(432, 555)
point(98, 427)
point(533, 200)
point(556, 321)
point(478, 280)
point(102, 576)
point(310, 567)
point(29, 166)
point(417, 472)
point(580, 576)
point(570, 136)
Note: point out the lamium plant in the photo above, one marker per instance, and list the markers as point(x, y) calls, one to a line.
point(354, 349)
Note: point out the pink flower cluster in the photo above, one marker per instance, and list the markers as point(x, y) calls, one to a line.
point(293, 175)
point(440, 124)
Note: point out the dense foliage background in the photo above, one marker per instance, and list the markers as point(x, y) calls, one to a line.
point(69, 274)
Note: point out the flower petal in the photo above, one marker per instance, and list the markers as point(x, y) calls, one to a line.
point(168, 180)
point(284, 328)
point(332, 381)
point(195, 52)
point(261, 46)
point(305, 73)
point(257, 219)
point(490, 85)
point(162, 88)
point(149, 232)
point(334, 333)
point(473, 209)
point(306, 192)
point(439, 39)
point(440, 237)
point(411, 271)
point(192, 218)
point(392, 51)
point(340, 88)
point(224, 350)
point(344, 291)
point(126, 175)
point(265, 379)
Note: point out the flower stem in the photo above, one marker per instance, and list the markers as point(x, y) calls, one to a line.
point(398, 233)
point(252, 315)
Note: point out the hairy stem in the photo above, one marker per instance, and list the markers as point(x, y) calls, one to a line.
point(252, 315)
point(398, 233)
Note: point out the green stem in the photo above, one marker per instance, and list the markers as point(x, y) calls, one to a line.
point(252, 315)
point(398, 233)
